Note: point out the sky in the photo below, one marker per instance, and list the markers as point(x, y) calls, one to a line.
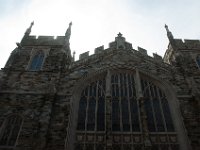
point(97, 22)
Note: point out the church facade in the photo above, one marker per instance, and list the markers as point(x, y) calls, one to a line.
point(118, 98)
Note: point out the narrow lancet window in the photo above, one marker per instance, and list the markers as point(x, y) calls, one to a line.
point(37, 61)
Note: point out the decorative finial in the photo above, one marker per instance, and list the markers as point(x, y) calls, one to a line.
point(70, 24)
point(68, 32)
point(119, 34)
point(169, 34)
point(166, 27)
point(19, 45)
point(32, 23)
point(74, 55)
point(28, 31)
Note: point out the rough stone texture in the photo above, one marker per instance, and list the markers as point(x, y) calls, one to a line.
point(45, 98)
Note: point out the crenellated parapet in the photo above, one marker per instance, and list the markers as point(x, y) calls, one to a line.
point(119, 44)
point(100, 52)
point(187, 44)
point(43, 40)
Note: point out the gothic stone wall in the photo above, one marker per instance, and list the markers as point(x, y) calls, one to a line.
point(44, 98)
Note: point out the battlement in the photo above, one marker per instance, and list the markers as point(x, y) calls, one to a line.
point(142, 50)
point(187, 44)
point(100, 51)
point(42, 40)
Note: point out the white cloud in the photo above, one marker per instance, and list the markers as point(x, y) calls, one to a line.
point(97, 22)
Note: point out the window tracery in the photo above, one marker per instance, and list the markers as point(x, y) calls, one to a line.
point(10, 130)
point(126, 126)
point(91, 114)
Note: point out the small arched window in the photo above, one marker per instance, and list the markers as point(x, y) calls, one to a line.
point(198, 60)
point(10, 131)
point(37, 61)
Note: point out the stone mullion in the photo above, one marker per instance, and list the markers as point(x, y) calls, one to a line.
point(86, 117)
point(129, 104)
point(134, 96)
point(11, 131)
point(121, 85)
point(151, 90)
point(140, 98)
point(162, 113)
point(163, 117)
point(108, 102)
point(97, 101)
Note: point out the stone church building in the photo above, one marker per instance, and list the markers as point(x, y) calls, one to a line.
point(118, 98)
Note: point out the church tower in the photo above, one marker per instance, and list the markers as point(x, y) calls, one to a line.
point(42, 52)
point(119, 98)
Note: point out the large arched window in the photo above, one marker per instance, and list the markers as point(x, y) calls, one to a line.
point(124, 117)
point(37, 61)
point(10, 131)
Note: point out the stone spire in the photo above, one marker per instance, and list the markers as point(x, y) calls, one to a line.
point(169, 33)
point(28, 31)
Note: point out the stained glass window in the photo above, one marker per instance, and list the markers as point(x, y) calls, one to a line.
point(115, 115)
point(92, 107)
point(167, 115)
point(134, 115)
point(37, 61)
point(158, 115)
point(124, 104)
point(125, 114)
point(101, 114)
point(82, 113)
point(91, 114)
point(157, 108)
point(10, 130)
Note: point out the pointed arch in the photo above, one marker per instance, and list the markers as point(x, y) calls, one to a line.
point(37, 61)
point(126, 112)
